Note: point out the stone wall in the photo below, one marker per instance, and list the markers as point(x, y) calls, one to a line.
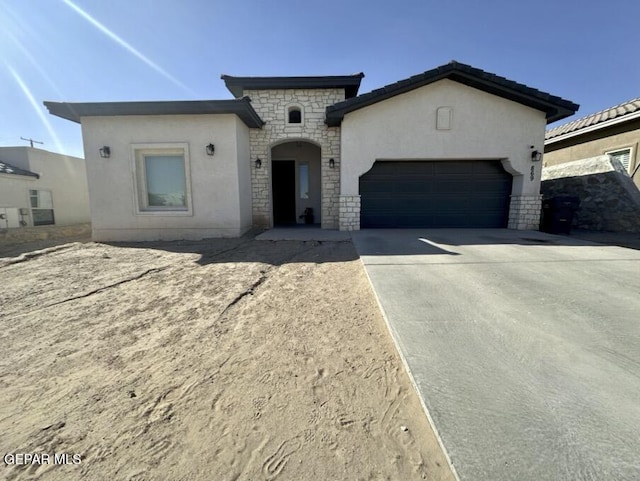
point(349, 218)
point(524, 212)
point(609, 200)
point(272, 106)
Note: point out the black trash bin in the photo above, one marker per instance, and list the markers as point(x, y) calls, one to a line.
point(557, 214)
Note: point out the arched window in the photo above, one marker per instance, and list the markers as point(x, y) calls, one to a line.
point(294, 115)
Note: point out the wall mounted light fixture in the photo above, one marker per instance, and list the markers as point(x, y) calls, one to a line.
point(210, 149)
point(536, 156)
point(105, 152)
point(258, 163)
point(332, 163)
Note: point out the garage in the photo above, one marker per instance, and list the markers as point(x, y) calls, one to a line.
point(459, 194)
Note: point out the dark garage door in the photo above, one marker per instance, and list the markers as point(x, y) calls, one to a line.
point(435, 194)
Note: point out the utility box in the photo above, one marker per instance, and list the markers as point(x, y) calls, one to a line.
point(9, 217)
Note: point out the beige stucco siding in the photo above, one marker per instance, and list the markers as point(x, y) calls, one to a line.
point(67, 179)
point(64, 176)
point(243, 159)
point(596, 143)
point(483, 126)
point(218, 182)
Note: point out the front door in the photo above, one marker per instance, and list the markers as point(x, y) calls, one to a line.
point(284, 192)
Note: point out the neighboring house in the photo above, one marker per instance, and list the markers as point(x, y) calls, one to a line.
point(614, 132)
point(452, 147)
point(39, 188)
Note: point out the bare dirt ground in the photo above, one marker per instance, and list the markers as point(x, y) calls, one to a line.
point(219, 360)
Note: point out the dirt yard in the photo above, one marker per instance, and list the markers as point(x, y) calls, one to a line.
point(219, 360)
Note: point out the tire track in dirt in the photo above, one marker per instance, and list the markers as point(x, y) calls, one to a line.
point(297, 379)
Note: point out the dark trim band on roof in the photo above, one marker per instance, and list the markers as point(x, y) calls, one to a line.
point(554, 107)
point(75, 111)
point(13, 170)
point(350, 83)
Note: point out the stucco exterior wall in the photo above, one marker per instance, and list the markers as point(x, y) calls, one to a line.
point(216, 181)
point(271, 106)
point(14, 194)
point(483, 126)
point(17, 156)
point(596, 143)
point(64, 176)
point(243, 159)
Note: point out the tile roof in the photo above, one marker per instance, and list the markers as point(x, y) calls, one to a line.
point(618, 112)
point(74, 111)
point(10, 169)
point(556, 108)
point(350, 83)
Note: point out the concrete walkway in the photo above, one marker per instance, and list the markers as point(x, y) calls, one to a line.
point(524, 346)
point(304, 233)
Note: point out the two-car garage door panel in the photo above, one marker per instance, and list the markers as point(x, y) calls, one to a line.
point(435, 194)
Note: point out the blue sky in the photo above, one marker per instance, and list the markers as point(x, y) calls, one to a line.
point(118, 50)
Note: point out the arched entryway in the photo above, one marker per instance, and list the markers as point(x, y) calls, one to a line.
point(296, 193)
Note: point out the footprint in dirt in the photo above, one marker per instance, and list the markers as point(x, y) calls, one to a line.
point(275, 463)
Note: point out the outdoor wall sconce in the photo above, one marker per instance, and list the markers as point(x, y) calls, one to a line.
point(258, 163)
point(105, 152)
point(332, 163)
point(210, 149)
point(536, 156)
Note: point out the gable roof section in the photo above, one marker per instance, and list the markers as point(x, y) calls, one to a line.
point(555, 107)
point(237, 85)
point(605, 118)
point(12, 170)
point(75, 111)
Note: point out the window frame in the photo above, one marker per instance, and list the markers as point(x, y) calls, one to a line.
point(38, 208)
point(141, 197)
point(301, 194)
point(287, 110)
point(622, 149)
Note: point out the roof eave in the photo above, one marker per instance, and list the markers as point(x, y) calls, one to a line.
point(237, 85)
point(555, 108)
point(75, 111)
point(31, 176)
point(593, 128)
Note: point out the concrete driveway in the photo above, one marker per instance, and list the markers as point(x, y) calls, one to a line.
point(524, 346)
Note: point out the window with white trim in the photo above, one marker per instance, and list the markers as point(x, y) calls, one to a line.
point(162, 178)
point(623, 155)
point(42, 207)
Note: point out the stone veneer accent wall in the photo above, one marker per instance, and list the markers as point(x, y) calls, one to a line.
point(349, 218)
point(271, 106)
point(609, 200)
point(524, 212)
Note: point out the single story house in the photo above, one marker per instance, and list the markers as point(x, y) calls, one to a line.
point(614, 132)
point(39, 188)
point(454, 146)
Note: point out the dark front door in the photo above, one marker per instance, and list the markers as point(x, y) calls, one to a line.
point(435, 194)
point(284, 192)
